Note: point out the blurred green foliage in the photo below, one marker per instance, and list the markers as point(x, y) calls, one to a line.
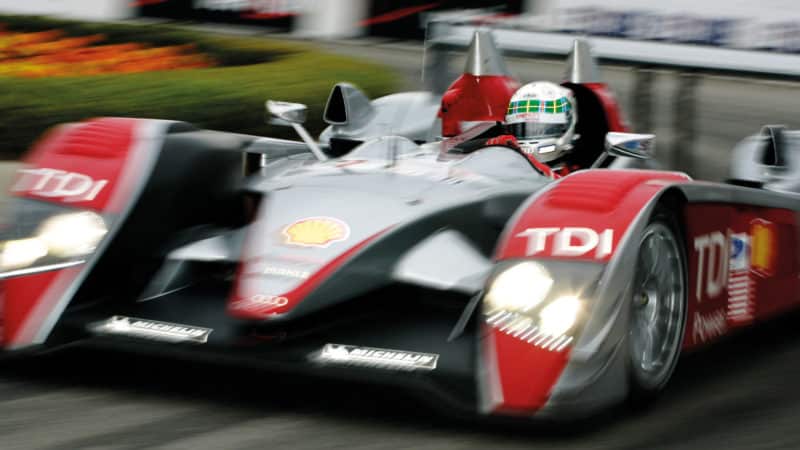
point(228, 98)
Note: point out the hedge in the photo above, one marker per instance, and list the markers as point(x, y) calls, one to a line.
point(229, 98)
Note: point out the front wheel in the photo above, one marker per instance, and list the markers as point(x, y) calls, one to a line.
point(658, 307)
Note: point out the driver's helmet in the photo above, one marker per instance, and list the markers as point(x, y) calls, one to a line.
point(542, 116)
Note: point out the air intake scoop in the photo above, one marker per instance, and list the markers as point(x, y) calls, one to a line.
point(347, 105)
point(483, 57)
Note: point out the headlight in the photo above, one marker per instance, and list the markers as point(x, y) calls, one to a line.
point(58, 239)
point(21, 253)
point(519, 288)
point(524, 301)
point(73, 234)
point(558, 317)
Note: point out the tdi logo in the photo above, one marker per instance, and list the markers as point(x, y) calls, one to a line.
point(712, 264)
point(569, 241)
point(73, 187)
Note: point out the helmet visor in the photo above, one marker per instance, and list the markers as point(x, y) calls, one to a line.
point(537, 130)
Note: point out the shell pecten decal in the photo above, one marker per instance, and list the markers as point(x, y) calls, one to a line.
point(316, 232)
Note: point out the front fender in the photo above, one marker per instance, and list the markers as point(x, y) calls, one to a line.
point(592, 216)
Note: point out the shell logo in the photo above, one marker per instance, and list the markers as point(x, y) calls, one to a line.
point(316, 232)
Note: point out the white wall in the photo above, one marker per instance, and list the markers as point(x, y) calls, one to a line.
point(767, 9)
point(753, 24)
point(332, 18)
point(78, 9)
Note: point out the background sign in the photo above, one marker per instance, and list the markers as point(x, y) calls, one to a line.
point(765, 25)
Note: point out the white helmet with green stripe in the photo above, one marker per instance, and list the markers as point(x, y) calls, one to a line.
point(542, 116)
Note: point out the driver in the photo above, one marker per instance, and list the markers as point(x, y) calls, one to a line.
point(540, 122)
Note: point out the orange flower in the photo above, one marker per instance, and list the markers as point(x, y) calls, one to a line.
point(49, 53)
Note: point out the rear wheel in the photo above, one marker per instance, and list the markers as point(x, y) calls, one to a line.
point(658, 307)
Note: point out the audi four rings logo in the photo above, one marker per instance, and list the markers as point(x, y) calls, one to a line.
point(268, 300)
point(261, 302)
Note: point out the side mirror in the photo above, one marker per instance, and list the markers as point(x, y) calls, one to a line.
point(294, 114)
point(284, 113)
point(630, 145)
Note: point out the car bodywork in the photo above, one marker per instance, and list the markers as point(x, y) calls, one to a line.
point(376, 265)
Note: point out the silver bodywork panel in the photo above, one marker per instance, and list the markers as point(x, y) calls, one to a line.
point(581, 65)
point(385, 187)
point(445, 261)
point(483, 57)
point(409, 114)
point(748, 162)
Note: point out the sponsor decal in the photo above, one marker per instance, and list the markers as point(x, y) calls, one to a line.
point(260, 303)
point(740, 307)
point(745, 253)
point(274, 7)
point(709, 326)
point(569, 241)
point(151, 329)
point(316, 232)
point(70, 186)
point(762, 258)
point(712, 264)
point(740, 252)
point(287, 272)
point(380, 358)
point(525, 329)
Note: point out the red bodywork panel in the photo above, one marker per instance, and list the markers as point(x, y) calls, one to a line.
point(82, 166)
point(584, 216)
point(743, 267)
point(475, 99)
point(90, 157)
point(610, 105)
point(525, 374)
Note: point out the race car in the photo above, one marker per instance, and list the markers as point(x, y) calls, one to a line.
point(470, 277)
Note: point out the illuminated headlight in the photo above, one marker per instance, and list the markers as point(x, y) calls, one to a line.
point(58, 238)
point(559, 316)
point(21, 253)
point(519, 288)
point(73, 234)
point(524, 301)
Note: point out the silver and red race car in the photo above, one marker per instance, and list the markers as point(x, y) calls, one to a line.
point(470, 276)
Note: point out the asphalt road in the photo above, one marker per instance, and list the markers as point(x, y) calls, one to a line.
point(742, 394)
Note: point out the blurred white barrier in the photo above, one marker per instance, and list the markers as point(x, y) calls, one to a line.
point(765, 24)
point(78, 9)
point(628, 51)
point(332, 18)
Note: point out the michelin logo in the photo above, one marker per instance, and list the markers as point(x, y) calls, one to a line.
point(151, 329)
point(380, 358)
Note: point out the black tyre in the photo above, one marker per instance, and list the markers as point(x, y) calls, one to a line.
point(658, 307)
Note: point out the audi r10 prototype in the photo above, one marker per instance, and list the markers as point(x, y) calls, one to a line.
point(471, 275)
